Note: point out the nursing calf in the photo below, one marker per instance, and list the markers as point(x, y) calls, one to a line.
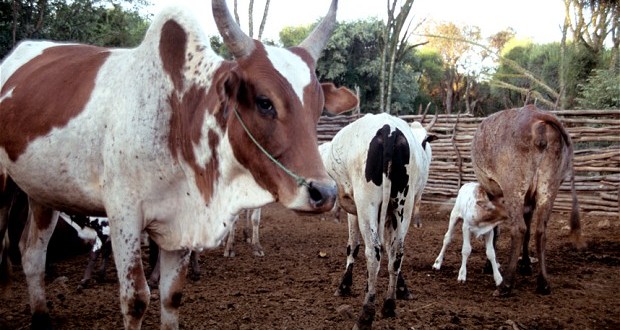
point(381, 169)
point(524, 155)
point(480, 215)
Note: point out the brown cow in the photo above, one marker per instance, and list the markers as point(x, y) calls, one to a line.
point(524, 154)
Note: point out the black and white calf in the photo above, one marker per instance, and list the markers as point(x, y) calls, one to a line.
point(480, 216)
point(97, 231)
point(381, 169)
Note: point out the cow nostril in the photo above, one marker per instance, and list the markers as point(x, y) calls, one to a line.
point(315, 195)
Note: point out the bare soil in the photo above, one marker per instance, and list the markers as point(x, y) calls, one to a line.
point(292, 286)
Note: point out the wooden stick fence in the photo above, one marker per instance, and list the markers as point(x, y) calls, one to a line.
point(595, 133)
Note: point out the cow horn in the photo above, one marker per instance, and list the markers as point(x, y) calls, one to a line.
point(239, 43)
point(317, 40)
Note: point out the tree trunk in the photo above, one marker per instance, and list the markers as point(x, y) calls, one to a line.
point(236, 11)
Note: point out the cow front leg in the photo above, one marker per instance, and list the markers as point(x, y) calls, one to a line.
point(41, 224)
point(173, 268)
point(134, 291)
point(353, 247)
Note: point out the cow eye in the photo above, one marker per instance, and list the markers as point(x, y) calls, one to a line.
point(265, 106)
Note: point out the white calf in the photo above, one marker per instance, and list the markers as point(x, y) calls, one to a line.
point(480, 216)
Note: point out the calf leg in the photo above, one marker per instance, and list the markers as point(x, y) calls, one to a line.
point(488, 268)
point(125, 233)
point(173, 271)
point(465, 253)
point(353, 246)
point(488, 239)
point(447, 238)
point(42, 221)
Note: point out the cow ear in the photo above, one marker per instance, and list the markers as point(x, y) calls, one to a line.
point(227, 87)
point(338, 100)
point(431, 137)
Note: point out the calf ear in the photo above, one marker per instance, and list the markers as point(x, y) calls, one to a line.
point(485, 205)
point(338, 100)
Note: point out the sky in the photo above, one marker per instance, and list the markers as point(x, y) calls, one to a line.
point(538, 20)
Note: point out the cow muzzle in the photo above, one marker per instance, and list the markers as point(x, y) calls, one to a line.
point(322, 195)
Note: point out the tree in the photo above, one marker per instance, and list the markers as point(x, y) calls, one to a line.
point(394, 46)
point(455, 45)
point(601, 91)
point(251, 18)
point(98, 22)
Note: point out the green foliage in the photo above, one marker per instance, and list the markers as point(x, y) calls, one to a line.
point(97, 22)
point(293, 35)
point(601, 91)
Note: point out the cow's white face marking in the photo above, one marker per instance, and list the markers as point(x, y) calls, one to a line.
point(290, 65)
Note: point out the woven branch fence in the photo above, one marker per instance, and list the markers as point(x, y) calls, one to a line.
point(595, 133)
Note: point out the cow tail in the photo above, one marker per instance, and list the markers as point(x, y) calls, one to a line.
point(386, 184)
point(575, 221)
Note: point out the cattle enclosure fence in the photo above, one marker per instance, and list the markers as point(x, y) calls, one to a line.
point(595, 134)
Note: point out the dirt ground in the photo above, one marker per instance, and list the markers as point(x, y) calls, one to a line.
point(292, 286)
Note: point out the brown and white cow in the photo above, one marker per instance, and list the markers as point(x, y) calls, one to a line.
point(156, 138)
point(381, 167)
point(524, 155)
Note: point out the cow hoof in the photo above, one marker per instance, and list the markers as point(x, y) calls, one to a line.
point(194, 276)
point(524, 268)
point(389, 308)
point(503, 291)
point(229, 254)
point(364, 322)
point(41, 321)
point(543, 287)
point(488, 269)
point(259, 253)
point(343, 291)
point(402, 293)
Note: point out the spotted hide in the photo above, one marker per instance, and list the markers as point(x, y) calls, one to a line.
point(381, 169)
point(157, 138)
point(523, 155)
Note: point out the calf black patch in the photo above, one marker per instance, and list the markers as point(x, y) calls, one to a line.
point(378, 150)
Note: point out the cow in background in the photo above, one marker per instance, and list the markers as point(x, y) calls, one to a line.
point(523, 155)
point(381, 168)
point(250, 233)
point(480, 215)
point(95, 230)
point(166, 137)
